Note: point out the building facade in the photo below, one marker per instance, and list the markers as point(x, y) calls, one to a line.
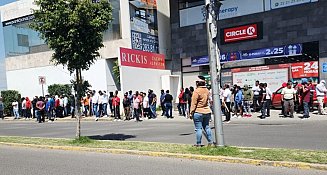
point(267, 40)
point(25, 58)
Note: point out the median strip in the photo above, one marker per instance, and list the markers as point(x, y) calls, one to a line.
point(303, 159)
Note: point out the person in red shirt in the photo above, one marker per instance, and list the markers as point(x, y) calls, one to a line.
point(182, 103)
point(116, 106)
point(28, 107)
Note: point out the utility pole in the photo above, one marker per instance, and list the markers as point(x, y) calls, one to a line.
point(212, 8)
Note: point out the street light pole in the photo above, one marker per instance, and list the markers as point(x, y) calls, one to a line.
point(212, 13)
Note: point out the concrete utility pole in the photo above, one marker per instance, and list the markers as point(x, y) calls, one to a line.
point(212, 14)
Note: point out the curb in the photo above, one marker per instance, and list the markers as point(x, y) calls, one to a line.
point(298, 165)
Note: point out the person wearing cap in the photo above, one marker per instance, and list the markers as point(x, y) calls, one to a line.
point(321, 91)
point(288, 98)
point(200, 112)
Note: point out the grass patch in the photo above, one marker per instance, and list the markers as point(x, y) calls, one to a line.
point(292, 155)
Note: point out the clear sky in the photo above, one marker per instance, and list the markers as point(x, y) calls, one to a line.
point(3, 2)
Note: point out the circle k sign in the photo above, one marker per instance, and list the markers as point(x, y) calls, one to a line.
point(241, 33)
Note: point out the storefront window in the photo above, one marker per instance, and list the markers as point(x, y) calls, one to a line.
point(113, 32)
point(189, 3)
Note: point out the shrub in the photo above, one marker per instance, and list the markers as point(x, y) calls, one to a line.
point(60, 89)
point(8, 97)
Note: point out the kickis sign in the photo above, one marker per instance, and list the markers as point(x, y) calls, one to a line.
point(141, 59)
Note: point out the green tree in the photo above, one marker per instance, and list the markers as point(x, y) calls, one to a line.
point(84, 87)
point(8, 97)
point(73, 29)
point(60, 89)
point(116, 71)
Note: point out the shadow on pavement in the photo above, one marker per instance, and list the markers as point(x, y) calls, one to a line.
point(112, 136)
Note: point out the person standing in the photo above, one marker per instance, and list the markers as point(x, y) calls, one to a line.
point(168, 104)
point(72, 105)
point(23, 107)
point(127, 107)
point(100, 104)
point(226, 103)
point(2, 108)
point(256, 96)
point(306, 100)
point(111, 96)
point(288, 98)
point(95, 103)
point(15, 109)
point(146, 107)
point(181, 103)
point(238, 99)
point(35, 99)
point(268, 99)
point(200, 112)
point(136, 107)
point(153, 104)
point(40, 106)
point(105, 101)
point(162, 104)
point(188, 101)
point(247, 100)
point(116, 106)
point(263, 101)
point(66, 106)
point(86, 103)
point(321, 91)
point(50, 108)
point(28, 108)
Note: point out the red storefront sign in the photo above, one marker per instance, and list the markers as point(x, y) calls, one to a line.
point(305, 69)
point(241, 33)
point(137, 58)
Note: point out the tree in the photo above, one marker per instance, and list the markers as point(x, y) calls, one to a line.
point(60, 89)
point(116, 71)
point(73, 29)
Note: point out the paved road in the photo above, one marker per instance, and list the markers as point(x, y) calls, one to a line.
point(253, 132)
point(52, 162)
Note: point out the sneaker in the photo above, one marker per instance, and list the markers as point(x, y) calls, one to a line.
point(96, 119)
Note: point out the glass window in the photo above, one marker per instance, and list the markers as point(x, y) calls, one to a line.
point(113, 32)
point(190, 3)
point(20, 39)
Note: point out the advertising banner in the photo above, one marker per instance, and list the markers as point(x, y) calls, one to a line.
point(199, 61)
point(242, 33)
point(234, 8)
point(280, 51)
point(144, 25)
point(141, 59)
point(305, 69)
point(275, 4)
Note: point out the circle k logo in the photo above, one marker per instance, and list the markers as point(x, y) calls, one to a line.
point(250, 31)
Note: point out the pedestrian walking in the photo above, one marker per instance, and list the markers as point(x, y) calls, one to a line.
point(200, 112)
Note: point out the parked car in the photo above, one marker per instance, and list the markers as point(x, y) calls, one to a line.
point(277, 98)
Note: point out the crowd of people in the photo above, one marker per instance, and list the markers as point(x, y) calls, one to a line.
point(295, 97)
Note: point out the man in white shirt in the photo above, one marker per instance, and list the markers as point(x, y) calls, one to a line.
point(321, 91)
point(226, 102)
point(146, 106)
point(256, 96)
point(288, 97)
point(66, 107)
point(105, 100)
point(15, 109)
point(268, 99)
point(95, 102)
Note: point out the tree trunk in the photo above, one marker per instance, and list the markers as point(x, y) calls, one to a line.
point(78, 103)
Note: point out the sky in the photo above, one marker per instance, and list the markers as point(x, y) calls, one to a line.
point(3, 2)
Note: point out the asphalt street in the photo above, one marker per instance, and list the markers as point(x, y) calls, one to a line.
point(249, 132)
point(28, 161)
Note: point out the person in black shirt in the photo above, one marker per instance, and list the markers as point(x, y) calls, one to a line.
point(263, 101)
point(168, 104)
point(127, 106)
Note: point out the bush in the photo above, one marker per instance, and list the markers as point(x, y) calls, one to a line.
point(8, 97)
point(60, 89)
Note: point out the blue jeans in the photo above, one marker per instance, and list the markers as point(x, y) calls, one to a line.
point(181, 108)
point(16, 113)
point(306, 109)
point(95, 110)
point(153, 109)
point(169, 110)
point(202, 121)
point(105, 108)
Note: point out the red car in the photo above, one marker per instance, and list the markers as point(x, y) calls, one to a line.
point(277, 98)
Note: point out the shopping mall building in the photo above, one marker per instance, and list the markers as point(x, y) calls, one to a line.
point(267, 40)
point(139, 29)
